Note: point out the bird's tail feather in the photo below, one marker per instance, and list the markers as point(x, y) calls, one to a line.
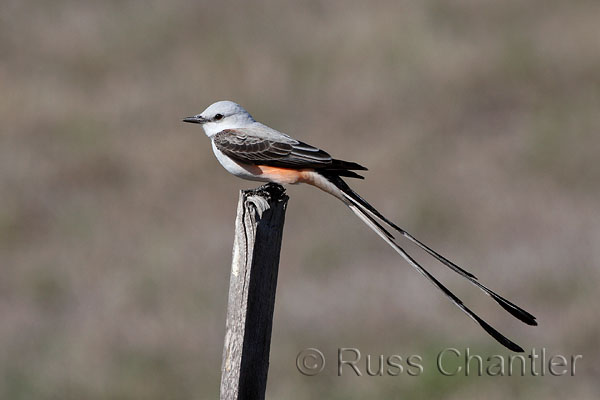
point(487, 327)
point(368, 214)
point(512, 308)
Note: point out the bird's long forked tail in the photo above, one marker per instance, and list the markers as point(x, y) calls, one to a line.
point(369, 215)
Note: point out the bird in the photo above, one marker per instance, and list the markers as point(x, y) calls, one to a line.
point(253, 151)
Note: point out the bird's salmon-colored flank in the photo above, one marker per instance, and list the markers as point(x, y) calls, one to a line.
point(285, 176)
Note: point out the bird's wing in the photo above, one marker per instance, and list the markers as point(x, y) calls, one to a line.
point(277, 151)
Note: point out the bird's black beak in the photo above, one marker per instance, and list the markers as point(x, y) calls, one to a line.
point(196, 119)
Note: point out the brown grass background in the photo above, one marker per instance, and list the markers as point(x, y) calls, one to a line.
point(479, 121)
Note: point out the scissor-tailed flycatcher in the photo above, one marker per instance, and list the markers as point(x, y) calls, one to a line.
point(251, 150)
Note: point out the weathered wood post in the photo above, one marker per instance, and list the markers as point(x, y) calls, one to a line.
point(254, 267)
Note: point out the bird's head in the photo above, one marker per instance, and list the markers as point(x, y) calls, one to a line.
point(221, 115)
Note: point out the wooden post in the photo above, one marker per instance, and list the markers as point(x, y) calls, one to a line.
point(254, 267)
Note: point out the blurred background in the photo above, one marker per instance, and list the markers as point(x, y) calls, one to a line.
point(479, 122)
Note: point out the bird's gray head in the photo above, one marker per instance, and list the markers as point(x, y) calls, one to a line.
point(221, 115)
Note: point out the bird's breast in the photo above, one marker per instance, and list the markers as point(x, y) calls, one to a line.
point(244, 171)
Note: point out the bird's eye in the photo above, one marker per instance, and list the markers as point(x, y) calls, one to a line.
point(218, 117)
